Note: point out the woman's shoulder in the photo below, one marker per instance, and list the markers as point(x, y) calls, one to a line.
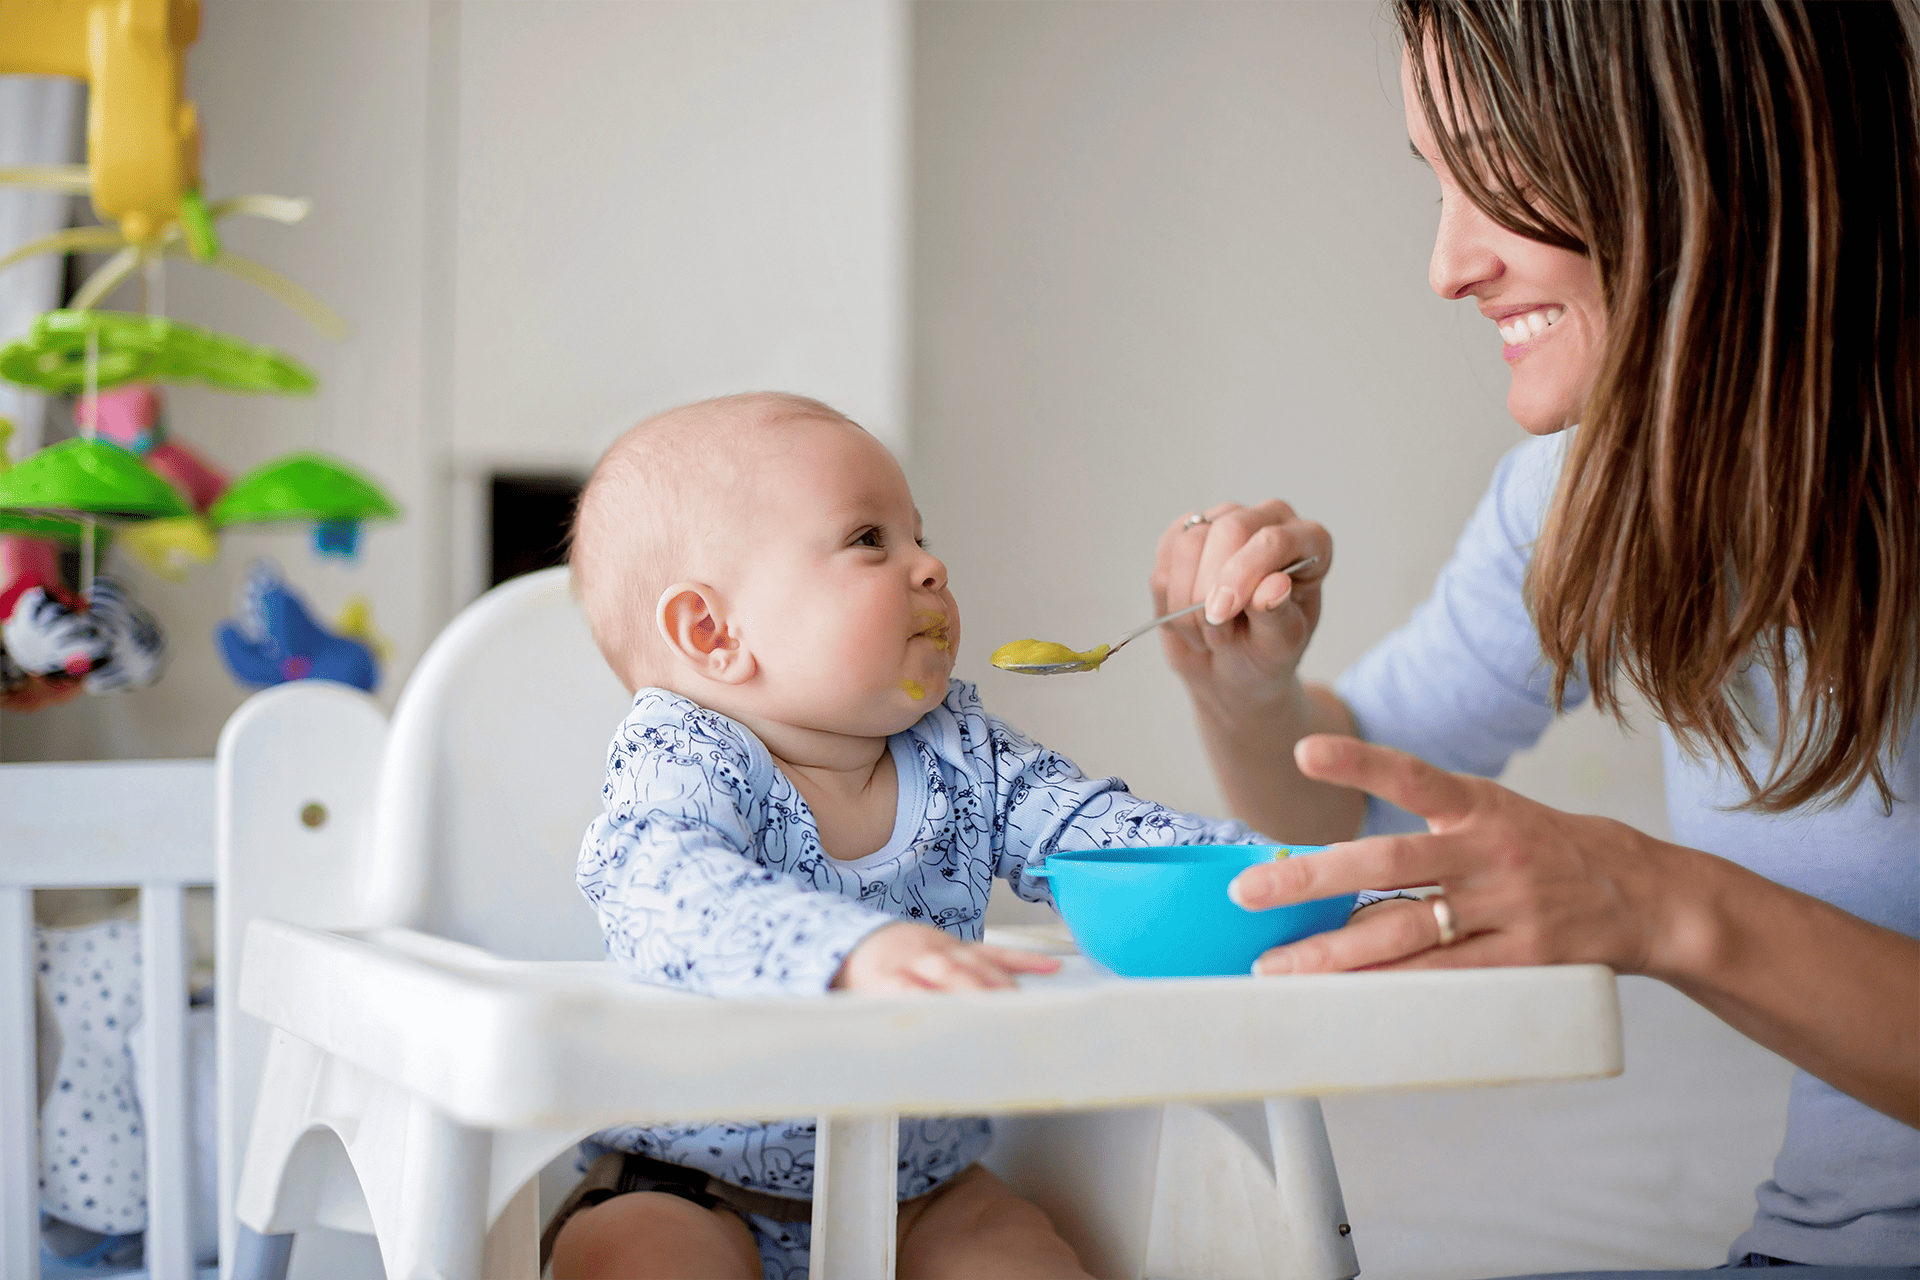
point(1522, 486)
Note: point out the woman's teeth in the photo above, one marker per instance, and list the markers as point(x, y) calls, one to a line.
point(1529, 326)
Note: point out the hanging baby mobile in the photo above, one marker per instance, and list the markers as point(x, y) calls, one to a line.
point(128, 479)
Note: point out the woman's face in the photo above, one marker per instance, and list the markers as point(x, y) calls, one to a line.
point(1544, 301)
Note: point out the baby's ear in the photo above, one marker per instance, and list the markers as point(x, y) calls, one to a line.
point(693, 621)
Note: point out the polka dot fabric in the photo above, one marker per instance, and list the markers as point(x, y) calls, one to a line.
point(93, 1148)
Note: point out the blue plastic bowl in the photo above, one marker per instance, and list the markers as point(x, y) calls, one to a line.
point(1164, 912)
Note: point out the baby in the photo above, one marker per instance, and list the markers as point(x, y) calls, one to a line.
point(802, 799)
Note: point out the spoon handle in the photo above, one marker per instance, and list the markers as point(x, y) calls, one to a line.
point(1165, 618)
point(1160, 621)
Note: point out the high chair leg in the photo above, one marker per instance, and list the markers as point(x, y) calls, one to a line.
point(855, 1197)
point(442, 1199)
point(1303, 1173)
point(258, 1257)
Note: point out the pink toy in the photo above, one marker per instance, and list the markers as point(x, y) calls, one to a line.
point(133, 417)
point(25, 563)
point(188, 472)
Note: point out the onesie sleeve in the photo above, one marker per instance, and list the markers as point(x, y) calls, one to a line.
point(1043, 803)
point(669, 866)
point(1462, 684)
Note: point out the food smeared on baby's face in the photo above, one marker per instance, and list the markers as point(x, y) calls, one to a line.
point(1033, 653)
point(914, 688)
point(933, 625)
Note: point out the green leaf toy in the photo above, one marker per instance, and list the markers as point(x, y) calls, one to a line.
point(303, 486)
point(89, 476)
point(29, 524)
point(52, 357)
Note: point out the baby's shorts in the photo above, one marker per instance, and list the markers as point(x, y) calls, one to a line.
point(782, 1228)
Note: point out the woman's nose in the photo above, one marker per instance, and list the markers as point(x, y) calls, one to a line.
point(1463, 254)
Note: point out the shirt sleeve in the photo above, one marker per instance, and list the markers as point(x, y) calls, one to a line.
point(668, 867)
point(1048, 805)
point(1044, 803)
point(1462, 684)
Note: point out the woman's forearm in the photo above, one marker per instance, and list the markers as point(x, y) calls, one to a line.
point(1835, 995)
point(1251, 750)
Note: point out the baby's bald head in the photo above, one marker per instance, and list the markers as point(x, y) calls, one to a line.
point(657, 507)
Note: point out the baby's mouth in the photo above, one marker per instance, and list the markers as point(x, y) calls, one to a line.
point(934, 627)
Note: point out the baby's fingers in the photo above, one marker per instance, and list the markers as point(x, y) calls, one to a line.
point(1015, 960)
point(957, 970)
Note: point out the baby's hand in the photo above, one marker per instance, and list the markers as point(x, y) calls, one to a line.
point(901, 958)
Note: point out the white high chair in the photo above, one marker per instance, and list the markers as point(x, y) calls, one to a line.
point(434, 1023)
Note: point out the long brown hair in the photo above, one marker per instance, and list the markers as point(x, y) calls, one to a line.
point(1743, 490)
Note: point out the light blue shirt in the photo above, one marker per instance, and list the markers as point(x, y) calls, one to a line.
point(707, 874)
point(1463, 685)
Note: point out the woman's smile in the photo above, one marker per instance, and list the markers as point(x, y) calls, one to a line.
point(1520, 327)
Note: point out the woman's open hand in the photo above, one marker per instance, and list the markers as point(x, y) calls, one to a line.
point(1525, 884)
point(1258, 620)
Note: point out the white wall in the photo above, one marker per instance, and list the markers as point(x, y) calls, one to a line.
point(666, 201)
point(41, 122)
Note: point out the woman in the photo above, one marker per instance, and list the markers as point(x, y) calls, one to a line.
point(1698, 230)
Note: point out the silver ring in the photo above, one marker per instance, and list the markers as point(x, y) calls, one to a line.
point(1443, 916)
point(1194, 520)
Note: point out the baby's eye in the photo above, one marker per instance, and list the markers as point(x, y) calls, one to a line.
point(868, 538)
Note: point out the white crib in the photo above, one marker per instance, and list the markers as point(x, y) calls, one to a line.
point(147, 824)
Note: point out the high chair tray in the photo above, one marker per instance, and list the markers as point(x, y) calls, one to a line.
point(510, 1044)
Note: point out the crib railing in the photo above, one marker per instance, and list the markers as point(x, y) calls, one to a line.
point(146, 824)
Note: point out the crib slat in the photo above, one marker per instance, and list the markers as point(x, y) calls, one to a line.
point(19, 1089)
point(163, 1031)
point(135, 819)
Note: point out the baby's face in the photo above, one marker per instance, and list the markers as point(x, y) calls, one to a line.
point(849, 618)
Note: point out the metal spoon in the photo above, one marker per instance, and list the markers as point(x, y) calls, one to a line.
point(1092, 658)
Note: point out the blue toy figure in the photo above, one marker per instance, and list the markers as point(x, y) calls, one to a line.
point(274, 638)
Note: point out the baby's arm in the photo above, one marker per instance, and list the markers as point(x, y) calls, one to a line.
point(666, 869)
point(1048, 804)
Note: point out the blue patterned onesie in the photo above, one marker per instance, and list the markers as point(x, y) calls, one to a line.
point(707, 874)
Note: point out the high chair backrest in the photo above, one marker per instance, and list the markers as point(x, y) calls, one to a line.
point(492, 772)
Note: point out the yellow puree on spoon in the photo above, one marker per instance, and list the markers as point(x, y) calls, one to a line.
point(1027, 653)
